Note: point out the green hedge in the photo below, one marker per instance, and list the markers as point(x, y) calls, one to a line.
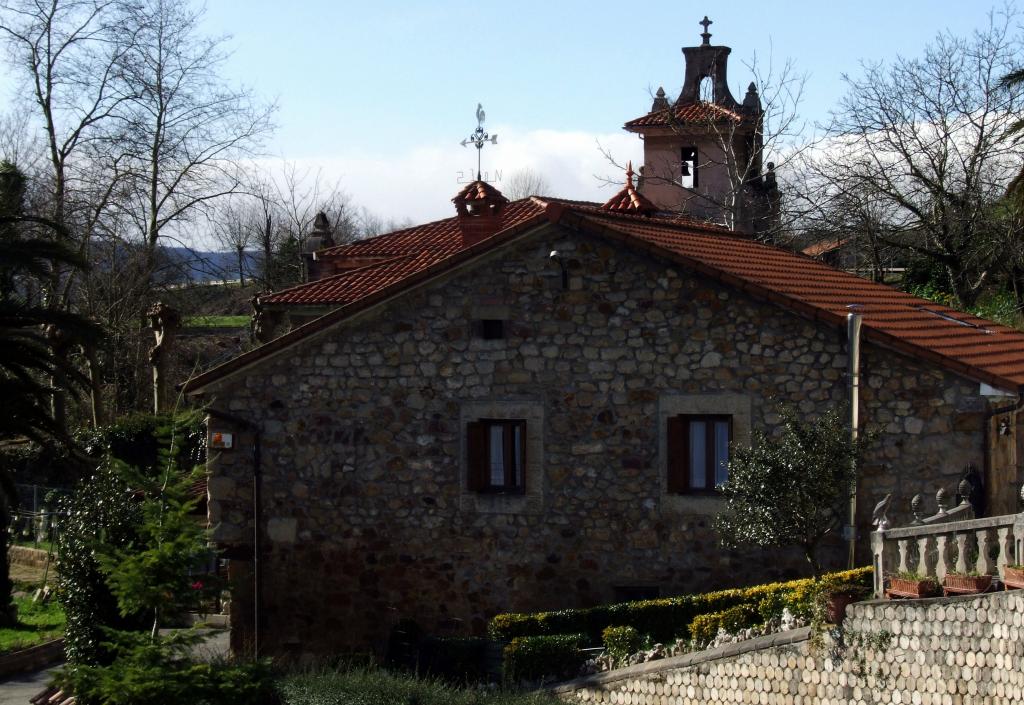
point(704, 627)
point(538, 658)
point(667, 619)
point(620, 642)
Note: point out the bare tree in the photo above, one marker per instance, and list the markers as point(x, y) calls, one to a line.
point(185, 128)
point(525, 182)
point(236, 227)
point(65, 52)
point(371, 224)
point(926, 141)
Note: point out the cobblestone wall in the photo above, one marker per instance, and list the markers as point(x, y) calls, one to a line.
point(368, 516)
point(961, 651)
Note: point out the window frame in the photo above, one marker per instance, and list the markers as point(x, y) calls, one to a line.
point(678, 450)
point(689, 154)
point(478, 453)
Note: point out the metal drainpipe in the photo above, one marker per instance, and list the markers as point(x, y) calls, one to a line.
point(853, 324)
point(257, 574)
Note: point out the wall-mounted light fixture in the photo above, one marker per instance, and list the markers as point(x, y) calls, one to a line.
point(556, 257)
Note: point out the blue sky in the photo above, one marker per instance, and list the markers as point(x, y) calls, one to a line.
point(385, 77)
point(379, 94)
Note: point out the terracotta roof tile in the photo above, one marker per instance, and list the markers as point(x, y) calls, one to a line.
point(479, 191)
point(700, 113)
point(402, 253)
point(629, 199)
point(825, 246)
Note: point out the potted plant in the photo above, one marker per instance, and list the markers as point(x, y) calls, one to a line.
point(837, 596)
point(911, 584)
point(969, 583)
point(1013, 576)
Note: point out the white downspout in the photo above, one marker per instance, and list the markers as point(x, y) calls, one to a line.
point(853, 323)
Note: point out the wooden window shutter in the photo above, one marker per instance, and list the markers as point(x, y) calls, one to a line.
point(476, 455)
point(678, 449)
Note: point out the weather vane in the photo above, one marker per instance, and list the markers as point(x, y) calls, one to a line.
point(478, 138)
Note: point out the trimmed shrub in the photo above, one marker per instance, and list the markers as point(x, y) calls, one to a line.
point(705, 627)
point(667, 619)
point(102, 510)
point(538, 658)
point(620, 642)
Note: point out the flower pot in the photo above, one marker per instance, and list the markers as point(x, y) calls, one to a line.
point(1013, 578)
point(836, 604)
point(955, 584)
point(908, 587)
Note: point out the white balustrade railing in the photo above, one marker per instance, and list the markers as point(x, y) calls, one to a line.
point(986, 546)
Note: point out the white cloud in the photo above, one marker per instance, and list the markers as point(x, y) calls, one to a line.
point(419, 185)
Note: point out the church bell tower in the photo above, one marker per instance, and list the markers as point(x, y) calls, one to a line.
point(703, 151)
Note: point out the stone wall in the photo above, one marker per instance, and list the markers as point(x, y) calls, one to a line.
point(959, 651)
point(367, 516)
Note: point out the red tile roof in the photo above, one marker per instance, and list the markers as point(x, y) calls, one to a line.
point(479, 191)
point(629, 199)
point(700, 113)
point(978, 349)
point(824, 246)
point(402, 253)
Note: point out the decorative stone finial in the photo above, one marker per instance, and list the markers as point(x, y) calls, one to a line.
point(942, 499)
point(915, 508)
point(660, 100)
point(320, 223)
point(752, 100)
point(879, 517)
point(629, 173)
point(706, 35)
point(964, 490)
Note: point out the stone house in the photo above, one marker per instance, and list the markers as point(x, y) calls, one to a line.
point(528, 405)
point(537, 419)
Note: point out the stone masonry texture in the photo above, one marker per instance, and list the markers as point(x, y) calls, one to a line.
point(367, 519)
point(961, 651)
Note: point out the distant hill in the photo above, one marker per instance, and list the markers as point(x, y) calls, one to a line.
point(184, 265)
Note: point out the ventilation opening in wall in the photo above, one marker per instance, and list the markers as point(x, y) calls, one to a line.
point(633, 593)
point(490, 329)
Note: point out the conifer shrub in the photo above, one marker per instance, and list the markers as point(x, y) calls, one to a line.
point(147, 576)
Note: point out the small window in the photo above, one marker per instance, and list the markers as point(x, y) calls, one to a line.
point(496, 455)
point(698, 452)
point(490, 329)
point(688, 167)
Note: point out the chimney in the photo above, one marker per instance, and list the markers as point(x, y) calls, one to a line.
point(479, 206)
point(319, 239)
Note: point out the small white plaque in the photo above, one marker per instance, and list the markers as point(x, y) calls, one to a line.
point(224, 441)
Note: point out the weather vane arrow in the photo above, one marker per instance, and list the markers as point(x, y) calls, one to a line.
point(479, 137)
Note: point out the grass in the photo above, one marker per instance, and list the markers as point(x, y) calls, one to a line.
point(216, 321)
point(29, 543)
point(368, 686)
point(36, 623)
